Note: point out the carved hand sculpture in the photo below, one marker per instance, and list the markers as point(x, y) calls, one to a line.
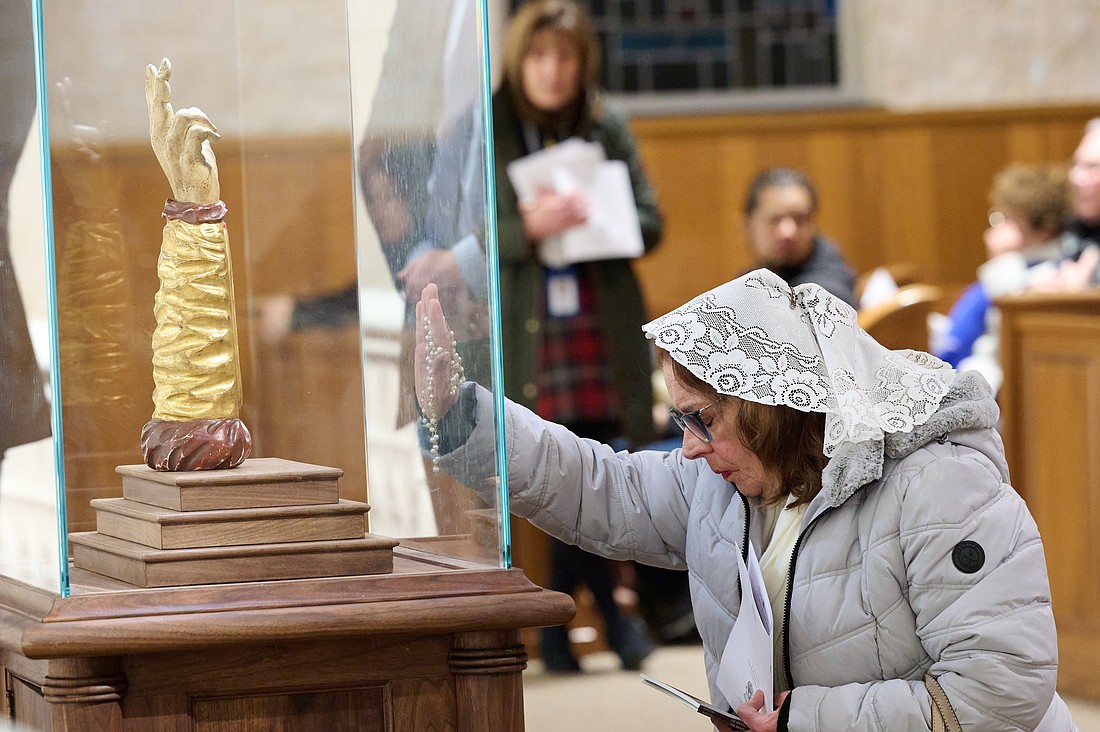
point(196, 367)
point(181, 141)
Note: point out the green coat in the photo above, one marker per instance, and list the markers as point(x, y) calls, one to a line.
point(619, 303)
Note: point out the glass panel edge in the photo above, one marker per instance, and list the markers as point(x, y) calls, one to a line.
point(496, 355)
point(51, 293)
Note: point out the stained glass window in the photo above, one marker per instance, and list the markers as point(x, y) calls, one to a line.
point(654, 46)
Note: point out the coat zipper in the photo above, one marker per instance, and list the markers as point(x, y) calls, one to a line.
point(744, 550)
point(745, 538)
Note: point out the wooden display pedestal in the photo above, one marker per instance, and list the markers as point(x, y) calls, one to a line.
point(267, 519)
point(424, 642)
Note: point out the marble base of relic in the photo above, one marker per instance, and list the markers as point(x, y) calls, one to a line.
point(268, 519)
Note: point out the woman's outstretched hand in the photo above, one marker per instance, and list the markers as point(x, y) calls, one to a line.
point(435, 356)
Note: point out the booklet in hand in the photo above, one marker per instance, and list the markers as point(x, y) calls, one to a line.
point(612, 230)
point(704, 708)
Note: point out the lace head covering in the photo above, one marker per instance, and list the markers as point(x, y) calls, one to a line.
point(759, 339)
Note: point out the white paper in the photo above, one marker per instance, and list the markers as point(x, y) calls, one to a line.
point(746, 665)
point(612, 230)
point(879, 287)
point(561, 168)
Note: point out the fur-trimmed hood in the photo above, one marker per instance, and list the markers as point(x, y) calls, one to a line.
point(969, 404)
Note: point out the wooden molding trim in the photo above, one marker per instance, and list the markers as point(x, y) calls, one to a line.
point(863, 119)
point(418, 597)
point(84, 681)
point(512, 659)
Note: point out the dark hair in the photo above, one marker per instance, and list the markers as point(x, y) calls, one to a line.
point(789, 443)
point(532, 17)
point(778, 178)
point(406, 163)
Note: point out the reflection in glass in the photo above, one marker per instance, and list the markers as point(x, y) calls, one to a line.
point(425, 164)
point(28, 524)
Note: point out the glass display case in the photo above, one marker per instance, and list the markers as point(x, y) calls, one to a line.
point(352, 152)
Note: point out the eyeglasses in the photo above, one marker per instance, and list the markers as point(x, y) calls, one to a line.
point(693, 421)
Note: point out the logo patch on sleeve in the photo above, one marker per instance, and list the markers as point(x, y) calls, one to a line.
point(968, 556)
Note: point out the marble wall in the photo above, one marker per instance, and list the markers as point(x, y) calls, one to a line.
point(934, 54)
point(903, 55)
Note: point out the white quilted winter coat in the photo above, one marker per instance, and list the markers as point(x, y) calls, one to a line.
point(886, 584)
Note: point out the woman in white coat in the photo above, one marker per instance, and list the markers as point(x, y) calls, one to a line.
point(869, 486)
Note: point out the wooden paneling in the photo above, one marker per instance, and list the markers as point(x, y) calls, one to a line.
point(893, 187)
point(307, 403)
point(1050, 351)
point(359, 710)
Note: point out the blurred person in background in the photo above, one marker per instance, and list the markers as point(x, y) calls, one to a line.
point(396, 211)
point(1029, 207)
point(1083, 229)
point(780, 225)
point(1080, 242)
point(571, 336)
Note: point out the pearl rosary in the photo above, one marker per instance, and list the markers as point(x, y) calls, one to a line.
point(458, 375)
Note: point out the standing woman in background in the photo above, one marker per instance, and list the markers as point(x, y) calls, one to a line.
point(571, 337)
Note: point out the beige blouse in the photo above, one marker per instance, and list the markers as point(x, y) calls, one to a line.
point(780, 533)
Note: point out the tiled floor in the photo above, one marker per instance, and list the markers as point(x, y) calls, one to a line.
point(606, 699)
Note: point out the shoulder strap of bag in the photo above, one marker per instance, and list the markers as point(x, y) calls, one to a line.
point(943, 716)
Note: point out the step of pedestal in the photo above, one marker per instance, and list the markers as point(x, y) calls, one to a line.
point(144, 566)
point(256, 483)
point(162, 528)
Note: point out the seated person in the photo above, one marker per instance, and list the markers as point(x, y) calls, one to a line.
point(1030, 204)
point(781, 233)
point(1083, 229)
point(1080, 242)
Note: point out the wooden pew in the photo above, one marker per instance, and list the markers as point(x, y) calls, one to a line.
point(1050, 411)
point(902, 320)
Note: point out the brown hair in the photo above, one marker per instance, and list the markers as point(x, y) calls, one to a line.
point(789, 443)
point(1039, 193)
point(562, 15)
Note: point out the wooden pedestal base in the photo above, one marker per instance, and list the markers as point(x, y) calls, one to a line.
point(434, 645)
point(403, 640)
point(268, 519)
point(143, 566)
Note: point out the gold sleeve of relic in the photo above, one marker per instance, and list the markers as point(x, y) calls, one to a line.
point(196, 366)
